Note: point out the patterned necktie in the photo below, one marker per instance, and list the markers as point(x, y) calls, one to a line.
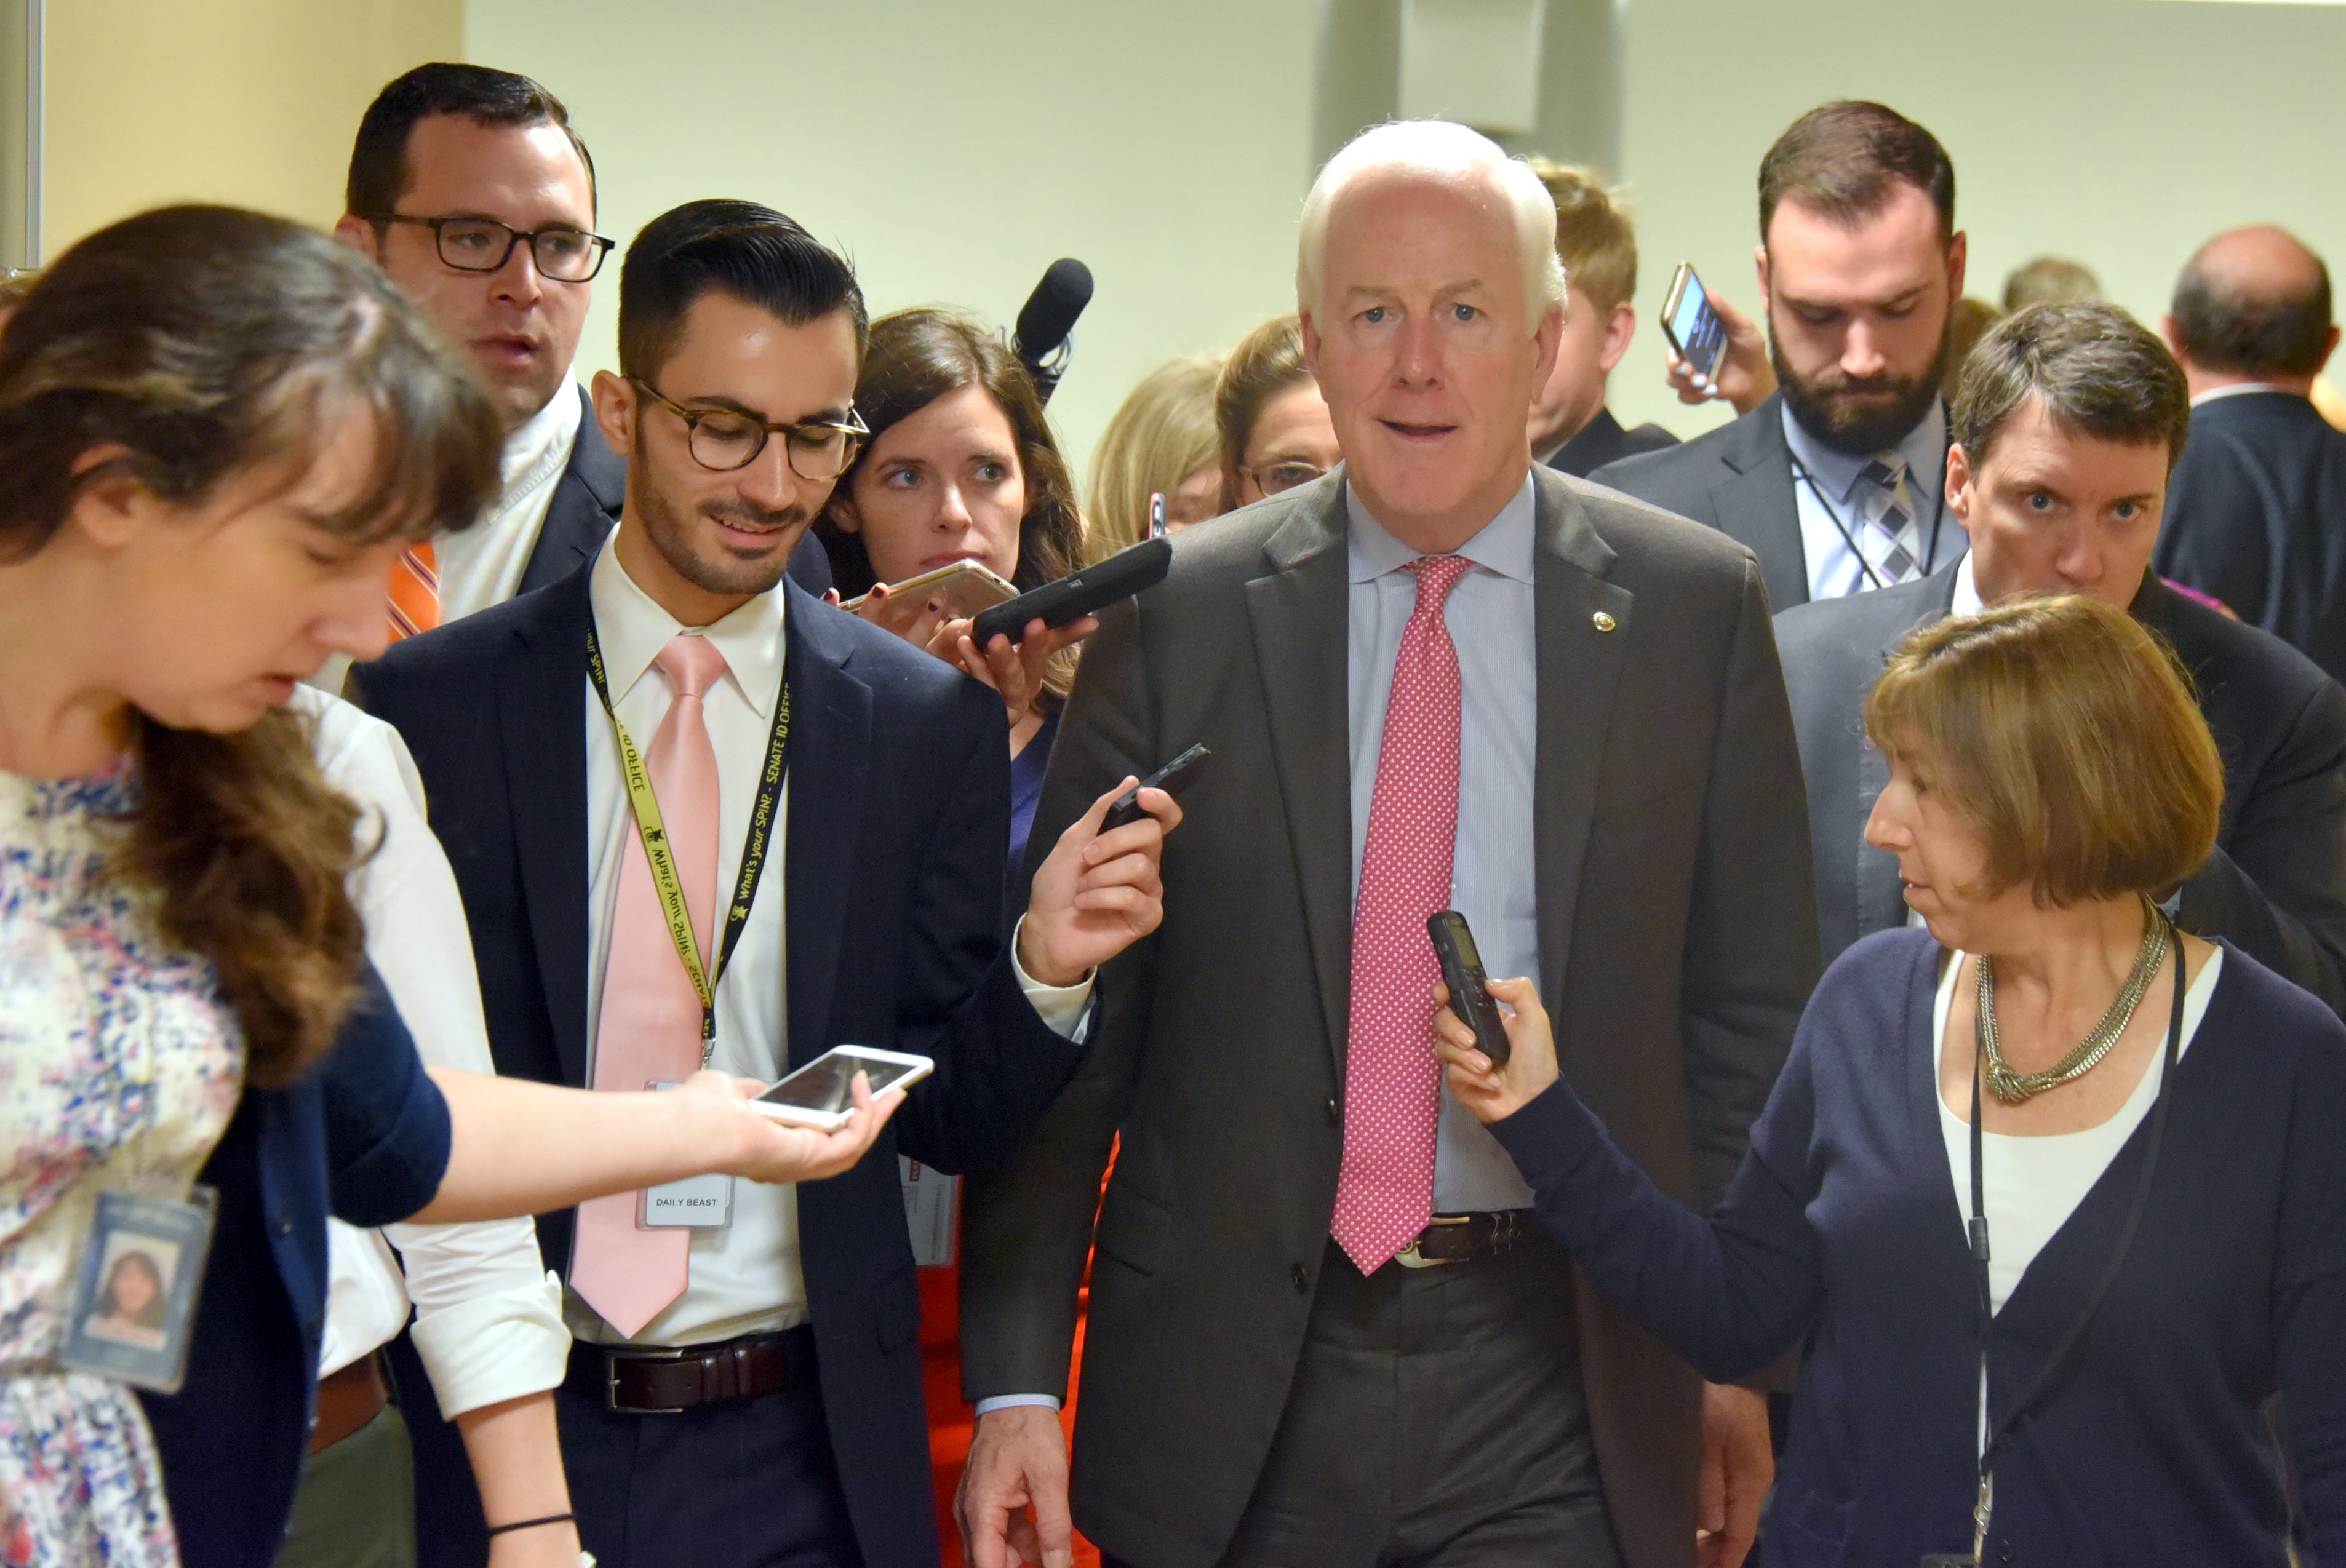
point(1890, 516)
point(415, 592)
point(1393, 1083)
point(649, 1031)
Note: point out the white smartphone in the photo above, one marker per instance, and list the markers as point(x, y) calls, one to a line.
point(963, 589)
point(821, 1094)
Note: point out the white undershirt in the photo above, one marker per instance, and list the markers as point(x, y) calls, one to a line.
point(482, 565)
point(2035, 1182)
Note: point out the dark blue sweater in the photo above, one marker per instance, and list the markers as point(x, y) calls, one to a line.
point(1842, 1225)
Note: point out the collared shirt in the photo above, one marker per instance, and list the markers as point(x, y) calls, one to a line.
point(745, 1276)
point(2242, 389)
point(1831, 521)
point(488, 1318)
point(483, 564)
point(1494, 881)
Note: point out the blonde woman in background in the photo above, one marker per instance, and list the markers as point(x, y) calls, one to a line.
point(1275, 430)
point(1162, 442)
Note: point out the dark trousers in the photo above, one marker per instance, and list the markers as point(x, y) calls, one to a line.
point(746, 1485)
point(1436, 1421)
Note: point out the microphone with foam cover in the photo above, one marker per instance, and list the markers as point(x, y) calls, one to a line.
point(1049, 316)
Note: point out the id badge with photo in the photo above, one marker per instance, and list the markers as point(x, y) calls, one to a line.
point(696, 1203)
point(134, 1302)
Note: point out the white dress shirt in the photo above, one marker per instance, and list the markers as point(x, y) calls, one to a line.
point(1830, 520)
point(488, 1321)
point(483, 564)
point(745, 1276)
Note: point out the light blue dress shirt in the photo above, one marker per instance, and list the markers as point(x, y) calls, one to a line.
point(1835, 569)
point(1494, 879)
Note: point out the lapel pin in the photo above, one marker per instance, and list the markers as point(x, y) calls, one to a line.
point(1602, 622)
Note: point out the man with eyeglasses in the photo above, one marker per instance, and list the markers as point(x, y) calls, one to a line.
point(672, 724)
point(469, 187)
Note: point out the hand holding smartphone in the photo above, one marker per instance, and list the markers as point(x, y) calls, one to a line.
point(1696, 334)
point(822, 1092)
point(1078, 594)
point(960, 590)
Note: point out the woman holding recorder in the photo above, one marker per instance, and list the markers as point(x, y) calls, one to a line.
point(2052, 1193)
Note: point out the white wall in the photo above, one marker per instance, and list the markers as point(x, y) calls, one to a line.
point(955, 150)
point(2120, 132)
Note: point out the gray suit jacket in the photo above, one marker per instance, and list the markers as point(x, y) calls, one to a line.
point(1675, 946)
point(1738, 480)
point(2275, 885)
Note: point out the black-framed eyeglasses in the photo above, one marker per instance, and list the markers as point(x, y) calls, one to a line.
point(565, 254)
point(724, 439)
point(1273, 477)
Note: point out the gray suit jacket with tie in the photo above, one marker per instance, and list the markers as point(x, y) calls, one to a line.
point(1738, 480)
point(1675, 950)
point(2275, 885)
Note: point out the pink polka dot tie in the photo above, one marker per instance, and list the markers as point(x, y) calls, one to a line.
point(1392, 1081)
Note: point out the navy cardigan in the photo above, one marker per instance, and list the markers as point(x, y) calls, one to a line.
point(1842, 1225)
point(363, 1135)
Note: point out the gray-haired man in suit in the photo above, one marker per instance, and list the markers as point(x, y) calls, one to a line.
point(1322, 1329)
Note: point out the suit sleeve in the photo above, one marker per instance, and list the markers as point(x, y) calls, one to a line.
point(2278, 888)
point(2216, 536)
point(1026, 1223)
point(1750, 957)
point(997, 1063)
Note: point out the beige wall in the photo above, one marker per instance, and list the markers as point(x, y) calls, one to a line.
point(2119, 132)
point(954, 150)
point(245, 101)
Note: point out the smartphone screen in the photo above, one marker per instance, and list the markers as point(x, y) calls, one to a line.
point(826, 1083)
point(1694, 327)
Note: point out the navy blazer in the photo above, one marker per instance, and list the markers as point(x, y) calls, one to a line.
point(2151, 1447)
point(1602, 440)
point(586, 508)
point(2256, 514)
point(2276, 882)
point(898, 827)
point(363, 1136)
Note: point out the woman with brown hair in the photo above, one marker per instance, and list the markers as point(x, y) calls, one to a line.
point(217, 431)
point(961, 466)
point(2054, 1194)
point(1275, 430)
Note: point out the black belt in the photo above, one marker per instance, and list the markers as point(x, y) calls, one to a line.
point(1461, 1238)
point(642, 1380)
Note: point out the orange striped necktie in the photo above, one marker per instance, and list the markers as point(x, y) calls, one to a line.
point(414, 593)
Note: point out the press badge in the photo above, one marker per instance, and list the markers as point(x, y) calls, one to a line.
point(133, 1303)
point(696, 1203)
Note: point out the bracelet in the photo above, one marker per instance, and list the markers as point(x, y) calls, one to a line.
point(533, 1523)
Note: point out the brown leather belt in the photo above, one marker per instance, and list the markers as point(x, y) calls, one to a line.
point(347, 1401)
point(640, 1380)
point(1460, 1238)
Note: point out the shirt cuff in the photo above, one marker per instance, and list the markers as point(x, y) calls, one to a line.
point(495, 1347)
point(1062, 1008)
point(1012, 1401)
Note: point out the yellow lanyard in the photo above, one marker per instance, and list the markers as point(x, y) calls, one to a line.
point(653, 833)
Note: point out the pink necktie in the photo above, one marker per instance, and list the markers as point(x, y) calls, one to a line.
point(650, 1027)
point(1392, 1081)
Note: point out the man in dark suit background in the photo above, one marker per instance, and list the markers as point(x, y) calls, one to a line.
point(1320, 1329)
point(2069, 420)
point(2257, 513)
point(755, 1396)
point(1833, 482)
point(447, 140)
point(1572, 431)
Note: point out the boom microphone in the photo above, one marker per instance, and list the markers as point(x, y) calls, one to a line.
point(1049, 316)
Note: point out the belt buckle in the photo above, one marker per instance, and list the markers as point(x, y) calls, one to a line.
point(1410, 1257)
point(611, 1360)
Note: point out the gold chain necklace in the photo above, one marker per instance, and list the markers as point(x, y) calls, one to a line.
point(2012, 1087)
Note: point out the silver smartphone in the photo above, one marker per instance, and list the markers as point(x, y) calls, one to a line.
point(1692, 327)
point(962, 590)
point(821, 1094)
